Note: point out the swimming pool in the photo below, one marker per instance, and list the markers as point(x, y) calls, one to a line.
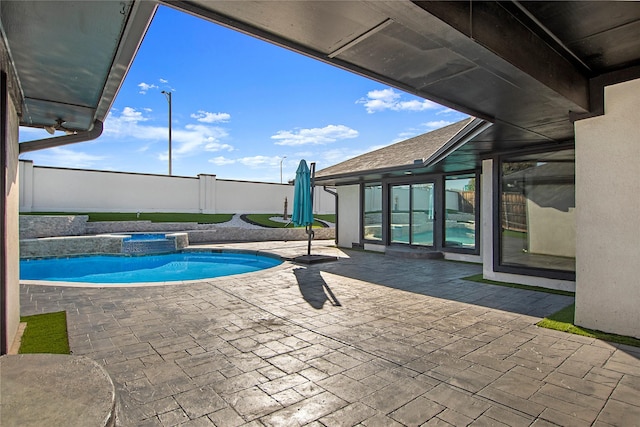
point(172, 267)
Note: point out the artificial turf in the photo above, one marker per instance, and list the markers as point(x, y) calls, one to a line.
point(45, 333)
point(148, 216)
point(563, 321)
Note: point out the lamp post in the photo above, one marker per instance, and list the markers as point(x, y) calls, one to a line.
point(168, 96)
point(281, 160)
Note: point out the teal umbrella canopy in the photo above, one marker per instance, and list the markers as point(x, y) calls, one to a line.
point(302, 203)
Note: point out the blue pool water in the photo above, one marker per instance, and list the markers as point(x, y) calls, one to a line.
point(148, 268)
point(145, 237)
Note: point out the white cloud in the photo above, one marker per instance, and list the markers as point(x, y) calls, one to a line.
point(163, 81)
point(388, 99)
point(447, 111)
point(315, 136)
point(145, 87)
point(260, 161)
point(64, 157)
point(132, 115)
point(189, 140)
point(437, 124)
point(221, 161)
point(207, 117)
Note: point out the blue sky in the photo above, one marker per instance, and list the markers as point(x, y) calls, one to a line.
point(239, 106)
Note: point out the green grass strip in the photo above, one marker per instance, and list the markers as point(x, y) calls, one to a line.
point(263, 220)
point(147, 216)
point(327, 217)
point(563, 321)
point(479, 279)
point(45, 333)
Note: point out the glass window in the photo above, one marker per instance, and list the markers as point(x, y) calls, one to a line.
point(412, 214)
point(537, 211)
point(400, 215)
point(460, 211)
point(372, 212)
point(422, 215)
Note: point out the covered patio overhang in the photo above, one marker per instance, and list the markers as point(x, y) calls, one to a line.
point(530, 68)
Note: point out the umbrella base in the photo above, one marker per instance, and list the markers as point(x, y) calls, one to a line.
point(314, 259)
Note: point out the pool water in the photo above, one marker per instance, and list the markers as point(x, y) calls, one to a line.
point(148, 268)
point(145, 237)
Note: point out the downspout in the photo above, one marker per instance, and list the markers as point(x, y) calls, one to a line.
point(335, 194)
point(41, 144)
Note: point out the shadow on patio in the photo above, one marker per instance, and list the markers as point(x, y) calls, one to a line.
point(443, 279)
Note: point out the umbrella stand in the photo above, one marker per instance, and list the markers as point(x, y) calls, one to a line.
point(310, 226)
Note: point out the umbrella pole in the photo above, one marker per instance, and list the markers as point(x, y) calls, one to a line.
point(310, 226)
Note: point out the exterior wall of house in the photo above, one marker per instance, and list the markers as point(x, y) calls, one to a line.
point(486, 245)
point(47, 189)
point(608, 241)
point(11, 317)
point(349, 215)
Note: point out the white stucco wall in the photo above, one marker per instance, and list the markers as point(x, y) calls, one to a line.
point(349, 215)
point(608, 240)
point(47, 189)
point(486, 245)
point(57, 189)
point(12, 249)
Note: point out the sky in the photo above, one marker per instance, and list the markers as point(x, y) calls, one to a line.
point(242, 109)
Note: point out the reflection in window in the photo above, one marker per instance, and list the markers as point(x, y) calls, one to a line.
point(460, 209)
point(412, 214)
point(372, 212)
point(422, 214)
point(537, 211)
point(400, 204)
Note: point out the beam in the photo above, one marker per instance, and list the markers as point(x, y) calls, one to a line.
point(492, 26)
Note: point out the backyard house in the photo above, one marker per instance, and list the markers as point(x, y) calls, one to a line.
point(559, 82)
point(407, 198)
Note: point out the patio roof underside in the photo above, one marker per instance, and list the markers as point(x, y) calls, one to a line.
point(525, 66)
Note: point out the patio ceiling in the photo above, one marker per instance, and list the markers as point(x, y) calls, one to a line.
point(528, 67)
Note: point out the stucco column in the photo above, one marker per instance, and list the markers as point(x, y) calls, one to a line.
point(349, 215)
point(26, 186)
point(608, 214)
point(207, 193)
point(10, 272)
point(486, 219)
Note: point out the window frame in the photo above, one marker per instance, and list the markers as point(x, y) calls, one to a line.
point(478, 205)
point(384, 233)
point(439, 181)
point(497, 187)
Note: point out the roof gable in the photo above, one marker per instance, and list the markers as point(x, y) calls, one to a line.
point(416, 151)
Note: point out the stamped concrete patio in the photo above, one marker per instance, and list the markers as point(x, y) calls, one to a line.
point(368, 340)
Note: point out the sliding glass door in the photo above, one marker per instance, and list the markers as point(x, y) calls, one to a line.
point(412, 213)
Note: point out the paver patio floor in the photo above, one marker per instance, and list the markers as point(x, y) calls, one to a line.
point(368, 340)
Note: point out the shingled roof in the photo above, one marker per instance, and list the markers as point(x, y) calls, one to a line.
point(411, 153)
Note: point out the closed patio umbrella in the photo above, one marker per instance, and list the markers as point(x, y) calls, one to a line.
point(303, 199)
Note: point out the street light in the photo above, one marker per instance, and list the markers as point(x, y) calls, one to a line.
point(281, 160)
point(168, 96)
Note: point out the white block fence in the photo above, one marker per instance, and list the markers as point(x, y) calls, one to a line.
point(51, 189)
